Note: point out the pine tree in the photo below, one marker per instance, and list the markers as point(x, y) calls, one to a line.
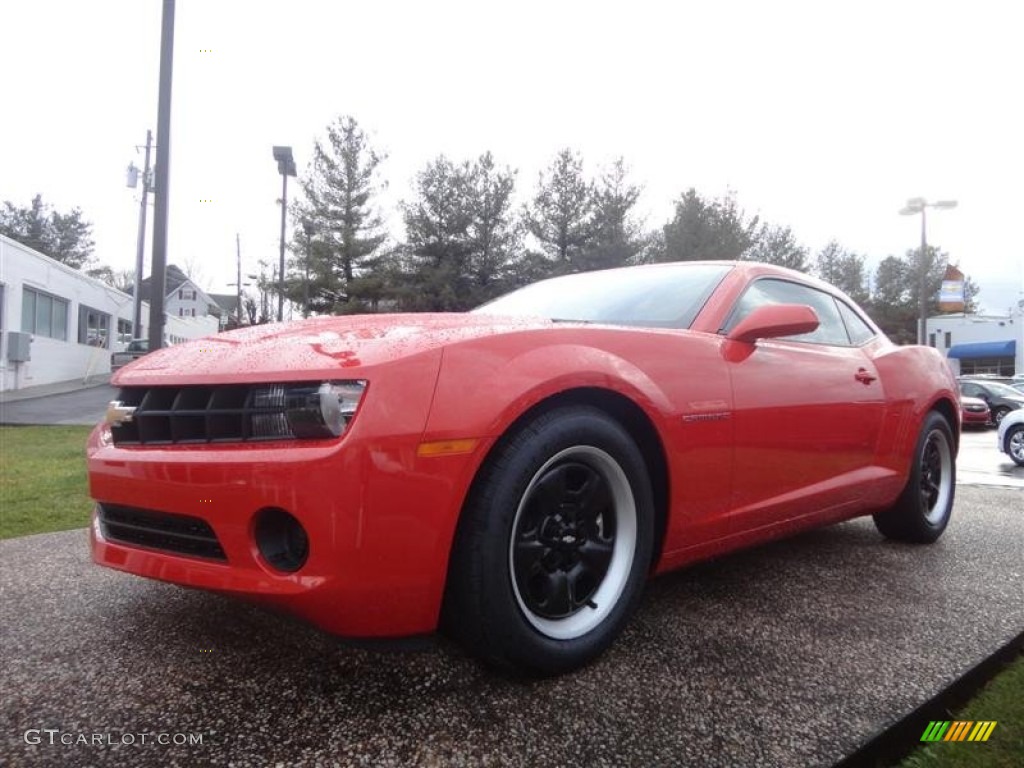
point(705, 230)
point(437, 241)
point(616, 239)
point(778, 245)
point(560, 217)
point(340, 190)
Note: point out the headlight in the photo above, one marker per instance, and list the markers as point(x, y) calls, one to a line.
point(305, 410)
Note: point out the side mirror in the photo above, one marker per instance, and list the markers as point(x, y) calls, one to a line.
point(774, 321)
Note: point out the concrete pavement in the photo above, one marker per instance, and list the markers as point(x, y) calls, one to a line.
point(791, 654)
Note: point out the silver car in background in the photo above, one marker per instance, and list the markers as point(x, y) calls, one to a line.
point(1010, 436)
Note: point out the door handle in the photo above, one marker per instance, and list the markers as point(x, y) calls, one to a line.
point(863, 376)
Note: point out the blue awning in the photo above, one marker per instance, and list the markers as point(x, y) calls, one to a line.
point(984, 349)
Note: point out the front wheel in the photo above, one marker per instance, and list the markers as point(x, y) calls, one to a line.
point(554, 546)
point(922, 511)
point(1015, 444)
point(999, 414)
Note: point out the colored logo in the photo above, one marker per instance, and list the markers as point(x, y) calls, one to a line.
point(958, 730)
point(118, 413)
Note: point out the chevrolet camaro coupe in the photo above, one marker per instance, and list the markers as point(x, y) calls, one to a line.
point(513, 475)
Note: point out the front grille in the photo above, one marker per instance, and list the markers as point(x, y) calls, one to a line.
point(206, 414)
point(975, 408)
point(180, 534)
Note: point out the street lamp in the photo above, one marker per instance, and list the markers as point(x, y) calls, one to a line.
point(914, 206)
point(286, 167)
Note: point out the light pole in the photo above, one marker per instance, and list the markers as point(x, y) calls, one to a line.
point(286, 167)
point(914, 206)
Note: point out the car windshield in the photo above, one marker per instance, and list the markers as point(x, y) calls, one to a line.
point(657, 296)
point(1000, 390)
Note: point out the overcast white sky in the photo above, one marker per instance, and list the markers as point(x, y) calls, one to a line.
point(824, 116)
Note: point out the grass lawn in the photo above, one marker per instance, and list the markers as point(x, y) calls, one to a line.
point(1001, 700)
point(43, 484)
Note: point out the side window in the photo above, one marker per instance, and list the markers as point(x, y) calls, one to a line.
point(859, 331)
point(831, 329)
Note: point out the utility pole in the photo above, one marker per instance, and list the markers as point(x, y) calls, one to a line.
point(922, 284)
point(158, 277)
point(238, 251)
point(140, 251)
point(238, 282)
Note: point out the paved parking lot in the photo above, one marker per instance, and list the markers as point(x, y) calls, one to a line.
point(84, 405)
point(794, 653)
point(981, 463)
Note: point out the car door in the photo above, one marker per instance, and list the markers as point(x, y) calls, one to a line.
point(808, 412)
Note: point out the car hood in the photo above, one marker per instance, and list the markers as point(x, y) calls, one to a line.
point(323, 346)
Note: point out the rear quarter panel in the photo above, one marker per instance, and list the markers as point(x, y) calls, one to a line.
point(917, 380)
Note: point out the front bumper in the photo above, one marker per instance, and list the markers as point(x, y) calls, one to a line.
point(380, 521)
point(976, 417)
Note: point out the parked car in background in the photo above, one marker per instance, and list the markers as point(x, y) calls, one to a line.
point(136, 348)
point(974, 412)
point(1001, 398)
point(514, 474)
point(1010, 437)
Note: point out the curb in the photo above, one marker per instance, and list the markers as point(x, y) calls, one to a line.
point(890, 746)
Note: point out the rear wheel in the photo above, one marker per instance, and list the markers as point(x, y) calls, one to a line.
point(999, 414)
point(921, 513)
point(554, 546)
point(1014, 443)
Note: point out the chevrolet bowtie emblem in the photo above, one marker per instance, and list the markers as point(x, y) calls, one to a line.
point(118, 413)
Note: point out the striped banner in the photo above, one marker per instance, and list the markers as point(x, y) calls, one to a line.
point(958, 730)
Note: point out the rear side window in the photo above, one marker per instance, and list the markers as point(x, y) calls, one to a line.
point(970, 390)
point(831, 329)
point(860, 332)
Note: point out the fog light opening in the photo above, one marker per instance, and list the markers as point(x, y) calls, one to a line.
point(281, 540)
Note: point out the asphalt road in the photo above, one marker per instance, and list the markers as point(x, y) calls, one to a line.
point(792, 654)
point(83, 406)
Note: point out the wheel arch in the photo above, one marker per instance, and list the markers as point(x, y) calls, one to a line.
point(629, 415)
point(949, 411)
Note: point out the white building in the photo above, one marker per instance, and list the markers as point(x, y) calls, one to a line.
point(980, 343)
point(74, 322)
point(186, 299)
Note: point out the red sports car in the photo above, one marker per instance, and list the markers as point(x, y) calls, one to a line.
point(975, 411)
point(513, 475)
